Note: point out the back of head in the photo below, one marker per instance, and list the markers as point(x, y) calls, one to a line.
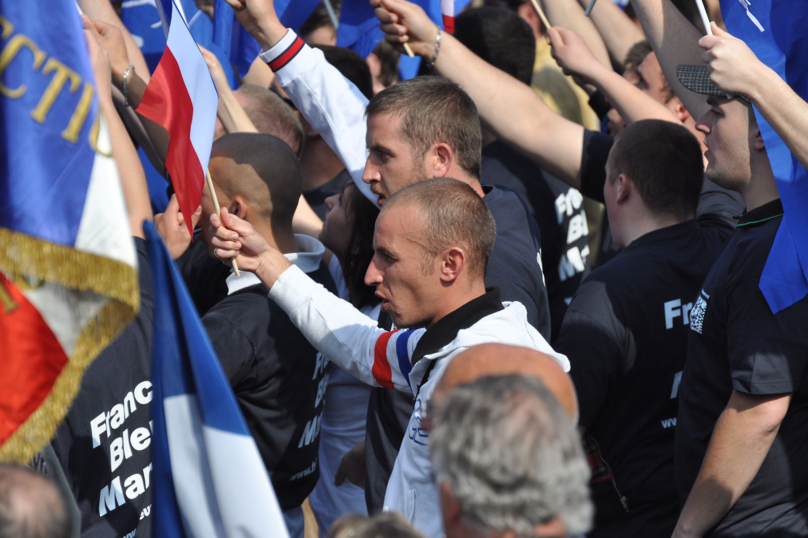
point(434, 110)
point(262, 169)
point(664, 161)
point(382, 525)
point(452, 215)
point(636, 54)
point(271, 115)
point(30, 505)
point(500, 37)
point(512, 457)
point(319, 20)
point(351, 65)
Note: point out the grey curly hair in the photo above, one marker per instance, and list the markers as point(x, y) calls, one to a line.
point(511, 455)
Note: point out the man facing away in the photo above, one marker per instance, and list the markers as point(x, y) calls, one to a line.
point(432, 244)
point(278, 378)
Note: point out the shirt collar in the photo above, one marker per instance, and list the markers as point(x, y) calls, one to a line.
point(761, 214)
point(307, 259)
point(445, 330)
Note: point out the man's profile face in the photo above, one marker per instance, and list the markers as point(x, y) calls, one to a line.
point(390, 165)
point(397, 269)
point(728, 127)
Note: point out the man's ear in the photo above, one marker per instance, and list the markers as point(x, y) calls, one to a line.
point(439, 160)
point(239, 207)
point(374, 64)
point(679, 109)
point(623, 188)
point(527, 13)
point(453, 263)
point(759, 144)
point(449, 506)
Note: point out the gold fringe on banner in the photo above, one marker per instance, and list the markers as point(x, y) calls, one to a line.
point(24, 256)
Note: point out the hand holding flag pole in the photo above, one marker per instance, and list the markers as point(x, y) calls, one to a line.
point(212, 190)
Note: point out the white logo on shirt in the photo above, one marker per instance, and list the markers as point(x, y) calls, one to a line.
point(697, 314)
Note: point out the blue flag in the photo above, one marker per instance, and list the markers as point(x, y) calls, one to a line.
point(208, 477)
point(776, 33)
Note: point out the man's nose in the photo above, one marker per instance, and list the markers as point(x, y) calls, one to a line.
point(371, 173)
point(373, 276)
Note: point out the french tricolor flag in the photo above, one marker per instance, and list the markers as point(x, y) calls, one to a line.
point(447, 9)
point(208, 477)
point(182, 98)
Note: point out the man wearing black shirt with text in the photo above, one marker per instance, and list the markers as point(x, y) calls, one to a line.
point(626, 329)
point(278, 378)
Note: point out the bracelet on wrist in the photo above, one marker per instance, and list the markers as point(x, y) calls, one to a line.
point(126, 85)
point(434, 59)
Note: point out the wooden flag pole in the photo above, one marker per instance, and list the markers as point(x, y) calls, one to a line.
point(588, 11)
point(212, 190)
point(408, 50)
point(542, 16)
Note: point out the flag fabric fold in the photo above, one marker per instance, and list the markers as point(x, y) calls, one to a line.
point(208, 478)
point(182, 98)
point(775, 31)
point(68, 270)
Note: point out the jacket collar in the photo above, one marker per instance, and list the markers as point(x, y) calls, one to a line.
point(444, 331)
point(307, 258)
point(761, 214)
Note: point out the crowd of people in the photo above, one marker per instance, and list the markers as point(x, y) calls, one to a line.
point(516, 295)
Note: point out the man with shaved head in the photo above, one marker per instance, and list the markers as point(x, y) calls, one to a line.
point(30, 505)
point(278, 378)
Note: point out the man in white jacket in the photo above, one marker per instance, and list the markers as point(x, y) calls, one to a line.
point(432, 242)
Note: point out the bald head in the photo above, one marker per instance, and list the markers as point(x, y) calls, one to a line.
point(500, 359)
point(30, 505)
point(263, 170)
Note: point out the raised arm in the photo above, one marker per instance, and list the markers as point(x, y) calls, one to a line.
point(737, 71)
point(329, 102)
point(675, 42)
point(576, 59)
point(102, 10)
point(569, 14)
point(618, 32)
point(333, 326)
point(511, 109)
point(132, 177)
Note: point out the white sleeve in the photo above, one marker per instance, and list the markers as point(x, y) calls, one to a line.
point(345, 335)
point(329, 102)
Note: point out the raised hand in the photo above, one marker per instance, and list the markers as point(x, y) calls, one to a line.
point(216, 71)
point(233, 237)
point(405, 22)
point(573, 55)
point(259, 18)
point(734, 68)
point(99, 59)
point(111, 40)
point(171, 227)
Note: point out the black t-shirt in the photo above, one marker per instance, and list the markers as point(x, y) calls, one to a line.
point(103, 445)
point(279, 381)
point(559, 212)
point(736, 343)
point(513, 268)
point(316, 196)
point(625, 334)
point(715, 202)
point(205, 277)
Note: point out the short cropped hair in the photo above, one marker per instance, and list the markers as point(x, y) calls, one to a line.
point(664, 161)
point(636, 54)
point(272, 116)
point(434, 110)
point(500, 37)
point(453, 215)
point(384, 524)
point(31, 506)
point(511, 455)
point(351, 66)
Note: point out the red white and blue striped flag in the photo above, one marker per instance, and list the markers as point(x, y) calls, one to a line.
point(182, 98)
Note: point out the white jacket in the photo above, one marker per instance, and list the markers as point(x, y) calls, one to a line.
point(384, 358)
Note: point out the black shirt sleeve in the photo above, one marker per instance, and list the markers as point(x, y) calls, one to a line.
point(235, 351)
point(590, 337)
point(767, 352)
point(593, 164)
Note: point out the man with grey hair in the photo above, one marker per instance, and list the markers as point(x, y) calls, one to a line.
point(31, 506)
point(508, 460)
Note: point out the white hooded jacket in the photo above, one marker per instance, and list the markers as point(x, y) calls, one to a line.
point(402, 359)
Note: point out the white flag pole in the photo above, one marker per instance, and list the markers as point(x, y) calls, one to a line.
point(704, 19)
point(588, 11)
